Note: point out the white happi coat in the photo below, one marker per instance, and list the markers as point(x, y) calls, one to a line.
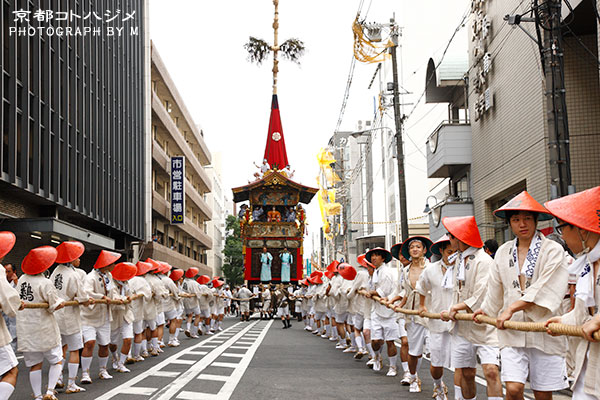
point(205, 296)
point(172, 301)
point(581, 348)
point(96, 315)
point(360, 303)
point(384, 282)
point(69, 286)
point(471, 292)
point(546, 290)
point(437, 298)
point(37, 330)
point(121, 313)
point(159, 291)
point(143, 306)
point(320, 299)
point(10, 303)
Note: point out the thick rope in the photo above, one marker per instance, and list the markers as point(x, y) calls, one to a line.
point(557, 329)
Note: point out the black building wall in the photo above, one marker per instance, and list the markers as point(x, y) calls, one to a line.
point(72, 117)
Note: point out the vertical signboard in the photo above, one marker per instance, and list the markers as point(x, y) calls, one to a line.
point(177, 190)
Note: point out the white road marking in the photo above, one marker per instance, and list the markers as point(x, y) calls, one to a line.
point(172, 389)
point(197, 353)
point(185, 362)
point(233, 355)
point(240, 347)
point(151, 372)
point(210, 377)
point(237, 374)
point(224, 364)
point(139, 390)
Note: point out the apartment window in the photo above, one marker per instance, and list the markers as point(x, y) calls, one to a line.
point(460, 188)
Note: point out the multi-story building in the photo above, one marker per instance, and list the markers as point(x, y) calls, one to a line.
point(216, 226)
point(174, 133)
point(505, 148)
point(73, 124)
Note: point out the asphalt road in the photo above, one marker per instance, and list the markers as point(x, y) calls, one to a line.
point(250, 360)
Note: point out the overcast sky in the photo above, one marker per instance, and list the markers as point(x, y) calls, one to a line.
point(201, 43)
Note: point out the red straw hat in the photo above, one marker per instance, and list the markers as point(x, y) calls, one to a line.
point(363, 261)
point(7, 241)
point(580, 209)
point(176, 275)
point(317, 279)
point(329, 274)
point(156, 266)
point(167, 267)
point(203, 279)
point(316, 273)
point(347, 271)
point(464, 229)
point(143, 268)
point(124, 271)
point(106, 258)
point(524, 202)
point(38, 260)
point(333, 266)
point(191, 272)
point(217, 283)
point(69, 251)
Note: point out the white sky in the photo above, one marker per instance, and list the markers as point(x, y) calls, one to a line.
point(201, 43)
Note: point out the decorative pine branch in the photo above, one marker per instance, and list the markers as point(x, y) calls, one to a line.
point(292, 49)
point(258, 50)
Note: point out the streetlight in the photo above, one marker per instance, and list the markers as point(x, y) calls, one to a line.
point(427, 209)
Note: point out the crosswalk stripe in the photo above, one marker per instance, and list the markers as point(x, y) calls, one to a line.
point(179, 383)
point(144, 391)
point(197, 396)
point(224, 365)
point(197, 353)
point(156, 369)
point(185, 362)
point(210, 377)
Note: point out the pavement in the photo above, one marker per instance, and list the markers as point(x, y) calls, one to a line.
point(252, 360)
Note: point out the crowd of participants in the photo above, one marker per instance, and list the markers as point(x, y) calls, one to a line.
point(532, 278)
point(129, 312)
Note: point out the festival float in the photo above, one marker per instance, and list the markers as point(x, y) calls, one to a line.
point(273, 217)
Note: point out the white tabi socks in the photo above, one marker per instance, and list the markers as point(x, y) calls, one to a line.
point(85, 364)
point(6, 390)
point(53, 374)
point(35, 379)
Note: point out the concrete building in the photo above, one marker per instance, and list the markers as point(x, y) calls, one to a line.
point(507, 124)
point(216, 226)
point(174, 133)
point(72, 157)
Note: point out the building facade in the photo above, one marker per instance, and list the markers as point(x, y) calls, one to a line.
point(216, 226)
point(174, 133)
point(508, 131)
point(72, 117)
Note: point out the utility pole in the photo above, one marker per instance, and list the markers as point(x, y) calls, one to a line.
point(399, 143)
point(548, 15)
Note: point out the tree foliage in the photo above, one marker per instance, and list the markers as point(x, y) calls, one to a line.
point(233, 267)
